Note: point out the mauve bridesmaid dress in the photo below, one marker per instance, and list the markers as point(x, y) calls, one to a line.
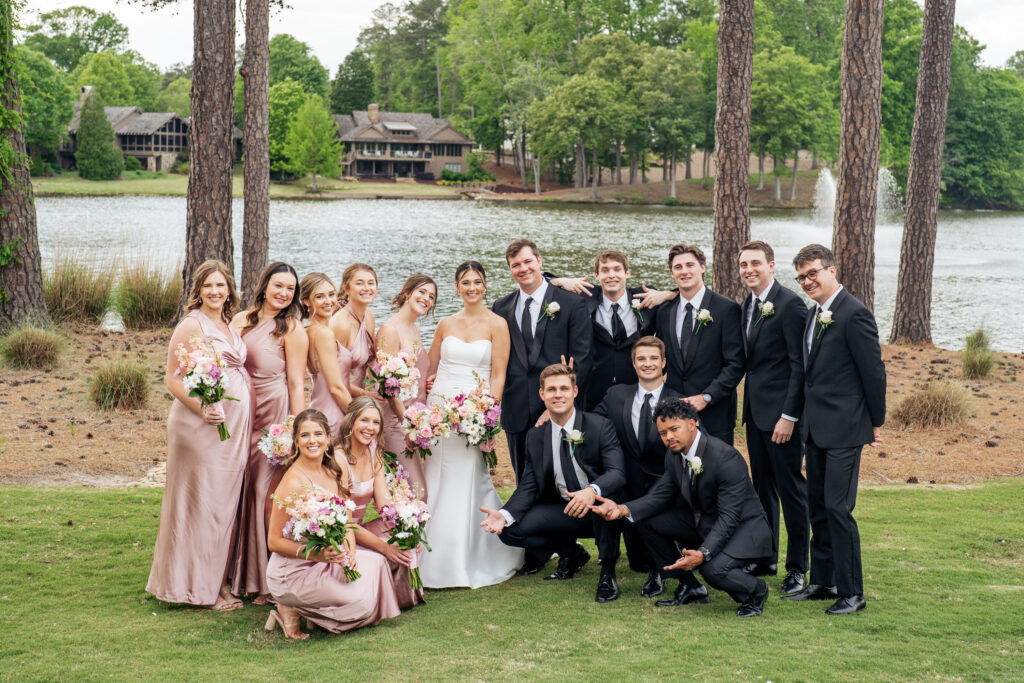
point(394, 435)
point(199, 514)
point(321, 398)
point(362, 352)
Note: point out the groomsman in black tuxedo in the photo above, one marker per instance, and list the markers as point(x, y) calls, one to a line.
point(773, 398)
point(630, 407)
point(547, 325)
point(701, 331)
point(570, 460)
point(844, 407)
point(705, 504)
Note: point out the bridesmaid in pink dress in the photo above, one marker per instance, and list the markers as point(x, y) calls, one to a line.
point(359, 446)
point(400, 333)
point(315, 587)
point(199, 513)
point(329, 362)
point(276, 361)
point(353, 325)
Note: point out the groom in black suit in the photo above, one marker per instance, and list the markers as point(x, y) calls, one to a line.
point(773, 399)
point(547, 325)
point(701, 331)
point(844, 407)
point(570, 460)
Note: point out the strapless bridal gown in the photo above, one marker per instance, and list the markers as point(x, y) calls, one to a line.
point(460, 484)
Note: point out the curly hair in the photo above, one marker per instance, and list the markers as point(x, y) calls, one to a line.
point(411, 285)
point(343, 439)
point(674, 408)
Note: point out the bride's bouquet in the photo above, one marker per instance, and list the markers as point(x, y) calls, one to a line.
point(476, 415)
point(276, 442)
point(319, 519)
point(394, 376)
point(406, 516)
point(424, 426)
point(203, 375)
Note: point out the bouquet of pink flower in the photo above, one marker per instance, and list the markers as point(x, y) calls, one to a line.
point(319, 519)
point(424, 426)
point(276, 442)
point(477, 416)
point(203, 375)
point(406, 516)
point(394, 376)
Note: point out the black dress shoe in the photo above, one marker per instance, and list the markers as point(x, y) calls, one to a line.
point(607, 588)
point(758, 569)
point(854, 603)
point(570, 566)
point(754, 605)
point(814, 591)
point(685, 595)
point(532, 565)
point(653, 585)
point(793, 583)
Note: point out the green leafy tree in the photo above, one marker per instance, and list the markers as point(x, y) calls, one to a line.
point(352, 89)
point(66, 35)
point(105, 72)
point(175, 97)
point(144, 78)
point(379, 40)
point(1016, 63)
point(312, 145)
point(901, 45)
point(47, 102)
point(286, 98)
point(97, 157)
point(291, 58)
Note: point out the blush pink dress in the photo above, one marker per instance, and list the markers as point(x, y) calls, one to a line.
point(265, 361)
point(394, 434)
point(321, 398)
point(362, 352)
point(199, 513)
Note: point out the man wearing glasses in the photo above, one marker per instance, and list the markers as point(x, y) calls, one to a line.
point(844, 407)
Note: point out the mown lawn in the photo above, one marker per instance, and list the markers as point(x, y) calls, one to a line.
point(943, 572)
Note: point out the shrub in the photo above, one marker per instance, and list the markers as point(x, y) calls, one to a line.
point(97, 158)
point(76, 292)
point(147, 297)
point(132, 164)
point(977, 358)
point(120, 385)
point(937, 404)
point(31, 347)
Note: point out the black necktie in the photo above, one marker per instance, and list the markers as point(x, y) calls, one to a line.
point(572, 482)
point(646, 423)
point(526, 323)
point(750, 314)
point(687, 331)
point(618, 329)
point(814, 329)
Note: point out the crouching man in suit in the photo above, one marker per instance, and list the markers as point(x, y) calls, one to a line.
point(705, 503)
point(570, 460)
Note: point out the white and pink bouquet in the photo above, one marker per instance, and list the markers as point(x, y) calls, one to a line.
point(476, 415)
point(406, 515)
point(202, 373)
point(319, 519)
point(424, 426)
point(394, 376)
point(276, 442)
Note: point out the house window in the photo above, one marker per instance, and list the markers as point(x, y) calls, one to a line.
point(457, 168)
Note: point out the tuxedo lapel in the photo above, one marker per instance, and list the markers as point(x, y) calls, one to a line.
point(691, 350)
point(803, 340)
point(627, 421)
point(594, 302)
point(837, 303)
point(743, 311)
point(684, 481)
point(585, 465)
point(515, 332)
point(542, 324)
point(701, 453)
point(755, 328)
point(673, 348)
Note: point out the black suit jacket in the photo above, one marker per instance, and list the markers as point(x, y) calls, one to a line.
point(726, 510)
point(775, 363)
point(714, 363)
point(617, 406)
point(613, 363)
point(568, 333)
point(844, 377)
point(599, 456)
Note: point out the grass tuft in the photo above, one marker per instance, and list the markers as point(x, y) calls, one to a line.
point(120, 385)
point(977, 358)
point(937, 404)
point(31, 348)
point(147, 297)
point(76, 292)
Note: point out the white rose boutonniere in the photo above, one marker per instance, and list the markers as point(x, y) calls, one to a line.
point(767, 309)
point(696, 467)
point(574, 438)
point(703, 319)
point(637, 305)
point(824, 319)
point(551, 309)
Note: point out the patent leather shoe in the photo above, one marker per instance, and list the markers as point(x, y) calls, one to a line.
point(686, 595)
point(814, 591)
point(607, 588)
point(758, 569)
point(570, 566)
point(793, 583)
point(754, 605)
point(854, 603)
point(654, 585)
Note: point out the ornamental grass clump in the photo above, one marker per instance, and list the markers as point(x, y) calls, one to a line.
point(147, 297)
point(937, 404)
point(76, 292)
point(31, 348)
point(977, 358)
point(120, 385)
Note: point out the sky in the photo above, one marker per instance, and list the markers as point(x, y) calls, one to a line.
point(331, 27)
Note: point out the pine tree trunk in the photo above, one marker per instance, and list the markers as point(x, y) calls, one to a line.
point(536, 176)
point(853, 235)
point(912, 318)
point(760, 171)
point(672, 168)
point(704, 170)
point(618, 163)
point(777, 188)
point(689, 159)
point(597, 172)
point(208, 220)
point(633, 167)
point(21, 281)
point(643, 167)
point(732, 143)
point(792, 185)
point(256, 126)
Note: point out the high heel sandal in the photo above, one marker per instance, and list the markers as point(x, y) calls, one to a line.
point(288, 628)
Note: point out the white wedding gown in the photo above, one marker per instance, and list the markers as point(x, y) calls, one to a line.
point(460, 484)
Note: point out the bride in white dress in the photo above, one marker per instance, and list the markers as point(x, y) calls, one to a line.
point(472, 340)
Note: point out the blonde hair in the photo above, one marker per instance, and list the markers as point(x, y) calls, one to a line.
point(350, 272)
point(199, 277)
point(343, 441)
point(310, 283)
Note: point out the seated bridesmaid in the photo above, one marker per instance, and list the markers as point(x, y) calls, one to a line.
point(359, 445)
point(315, 588)
point(329, 361)
point(354, 324)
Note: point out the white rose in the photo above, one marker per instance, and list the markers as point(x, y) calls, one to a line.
point(575, 435)
point(825, 317)
point(553, 307)
point(636, 304)
point(704, 316)
point(697, 465)
point(767, 308)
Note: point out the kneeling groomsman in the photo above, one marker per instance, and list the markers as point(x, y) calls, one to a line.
point(630, 407)
point(773, 398)
point(706, 504)
point(570, 460)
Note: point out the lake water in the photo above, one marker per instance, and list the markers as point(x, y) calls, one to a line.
point(977, 270)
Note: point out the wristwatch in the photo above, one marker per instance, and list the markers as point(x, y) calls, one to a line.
point(707, 398)
point(705, 552)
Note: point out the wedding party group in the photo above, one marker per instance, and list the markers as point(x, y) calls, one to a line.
point(618, 404)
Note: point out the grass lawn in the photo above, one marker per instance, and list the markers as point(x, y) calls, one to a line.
point(942, 567)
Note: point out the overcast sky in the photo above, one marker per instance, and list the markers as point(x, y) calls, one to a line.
point(331, 27)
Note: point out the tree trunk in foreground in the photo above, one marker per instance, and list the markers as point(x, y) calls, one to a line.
point(256, 133)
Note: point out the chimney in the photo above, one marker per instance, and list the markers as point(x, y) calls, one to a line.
point(373, 111)
point(83, 94)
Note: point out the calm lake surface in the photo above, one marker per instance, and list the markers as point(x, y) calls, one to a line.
point(978, 271)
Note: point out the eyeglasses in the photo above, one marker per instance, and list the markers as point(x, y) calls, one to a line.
point(810, 275)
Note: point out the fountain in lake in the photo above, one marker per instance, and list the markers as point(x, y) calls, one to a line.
point(890, 201)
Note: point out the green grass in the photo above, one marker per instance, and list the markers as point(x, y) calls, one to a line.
point(943, 574)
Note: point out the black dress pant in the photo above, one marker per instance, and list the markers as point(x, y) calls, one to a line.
point(546, 529)
point(640, 558)
point(775, 470)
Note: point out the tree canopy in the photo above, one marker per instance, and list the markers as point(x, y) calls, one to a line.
point(291, 58)
point(66, 35)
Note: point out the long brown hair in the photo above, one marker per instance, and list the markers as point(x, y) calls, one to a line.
point(357, 407)
point(205, 270)
point(328, 462)
point(350, 273)
point(411, 285)
point(283, 319)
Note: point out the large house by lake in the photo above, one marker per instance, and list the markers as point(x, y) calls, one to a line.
point(383, 144)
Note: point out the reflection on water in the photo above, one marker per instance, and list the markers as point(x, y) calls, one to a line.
point(975, 270)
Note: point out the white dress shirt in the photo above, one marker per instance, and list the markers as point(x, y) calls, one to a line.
point(535, 309)
point(681, 314)
point(753, 313)
point(603, 315)
point(824, 307)
point(638, 404)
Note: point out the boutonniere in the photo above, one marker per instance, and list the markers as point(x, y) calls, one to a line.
point(574, 438)
point(551, 309)
point(696, 467)
point(767, 309)
point(703, 318)
point(637, 305)
point(824, 319)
